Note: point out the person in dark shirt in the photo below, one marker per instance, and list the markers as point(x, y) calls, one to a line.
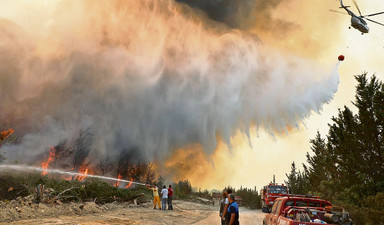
point(170, 196)
point(233, 210)
point(223, 202)
point(226, 215)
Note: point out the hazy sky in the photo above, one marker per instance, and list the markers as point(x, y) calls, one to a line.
point(273, 155)
point(362, 52)
point(68, 47)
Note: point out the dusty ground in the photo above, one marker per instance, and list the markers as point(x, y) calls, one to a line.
point(247, 217)
point(118, 213)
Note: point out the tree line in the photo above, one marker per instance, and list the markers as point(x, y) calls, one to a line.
point(346, 165)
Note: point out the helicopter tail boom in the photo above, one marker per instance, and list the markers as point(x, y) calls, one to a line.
point(343, 6)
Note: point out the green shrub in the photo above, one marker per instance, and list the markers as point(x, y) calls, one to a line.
point(205, 194)
point(250, 198)
point(87, 190)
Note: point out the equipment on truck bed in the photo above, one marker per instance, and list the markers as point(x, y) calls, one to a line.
point(301, 210)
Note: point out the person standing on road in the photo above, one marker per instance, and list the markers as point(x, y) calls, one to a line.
point(170, 196)
point(225, 215)
point(222, 206)
point(233, 211)
point(156, 198)
point(164, 194)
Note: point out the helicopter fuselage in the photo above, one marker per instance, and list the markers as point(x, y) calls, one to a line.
point(359, 24)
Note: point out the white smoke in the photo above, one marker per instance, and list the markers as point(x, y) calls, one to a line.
point(152, 74)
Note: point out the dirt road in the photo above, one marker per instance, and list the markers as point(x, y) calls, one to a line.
point(247, 217)
point(184, 213)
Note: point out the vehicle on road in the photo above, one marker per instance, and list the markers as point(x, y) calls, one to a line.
point(270, 192)
point(304, 210)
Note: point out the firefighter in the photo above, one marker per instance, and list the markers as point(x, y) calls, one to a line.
point(156, 198)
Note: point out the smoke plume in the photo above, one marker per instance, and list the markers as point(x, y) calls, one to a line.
point(243, 15)
point(154, 74)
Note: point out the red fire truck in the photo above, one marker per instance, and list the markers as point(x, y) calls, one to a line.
point(270, 192)
point(305, 210)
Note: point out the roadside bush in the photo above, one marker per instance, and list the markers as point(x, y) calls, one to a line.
point(250, 198)
point(15, 185)
point(182, 189)
point(205, 194)
point(370, 213)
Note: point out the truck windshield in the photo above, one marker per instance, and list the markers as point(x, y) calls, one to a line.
point(304, 203)
point(278, 190)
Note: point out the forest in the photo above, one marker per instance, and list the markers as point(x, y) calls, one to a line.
point(346, 165)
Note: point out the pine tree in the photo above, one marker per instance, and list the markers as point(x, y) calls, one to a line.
point(347, 165)
point(292, 180)
point(318, 163)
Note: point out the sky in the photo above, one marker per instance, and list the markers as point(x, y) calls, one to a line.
point(363, 53)
point(220, 94)
point(255, 165)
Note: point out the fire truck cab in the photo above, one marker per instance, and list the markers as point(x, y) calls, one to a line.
point(270, 192)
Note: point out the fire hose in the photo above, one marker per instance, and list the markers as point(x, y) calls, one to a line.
point(55, 171)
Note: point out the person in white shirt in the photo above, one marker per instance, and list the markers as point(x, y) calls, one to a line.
point(164, 198)
point(225, 215)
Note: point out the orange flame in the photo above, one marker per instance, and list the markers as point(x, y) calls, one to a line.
point(118, 182)
point(81, 178)
point(85, 174)
point(130, 184)
point(44, 165)
point(5, 134)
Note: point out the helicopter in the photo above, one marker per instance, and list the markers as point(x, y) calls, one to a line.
point(358, 22)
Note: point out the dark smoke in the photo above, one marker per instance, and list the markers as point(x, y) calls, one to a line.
point(242, 14)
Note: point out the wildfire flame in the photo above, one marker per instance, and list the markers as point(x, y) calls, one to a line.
point(5, 134)
point(118, 182)
point(130, 184)
point(45, 165)
point(85, 172)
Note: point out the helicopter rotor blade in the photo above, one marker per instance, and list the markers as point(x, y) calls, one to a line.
point(374, 14)
point(358, 9)
point(335, 11)
point(374, 21)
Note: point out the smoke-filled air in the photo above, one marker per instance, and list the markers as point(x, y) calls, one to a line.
point(150, 76)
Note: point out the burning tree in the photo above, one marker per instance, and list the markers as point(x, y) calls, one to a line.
point(81, 149)
point(149, 175)
point(55, 153)
point(124, 163)
point(6, 136)
point(61, 151)
point(132, 166)
point(104, 165)
point(51, 158)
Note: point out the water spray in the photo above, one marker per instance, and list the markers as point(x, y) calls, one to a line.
point(55, 171)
